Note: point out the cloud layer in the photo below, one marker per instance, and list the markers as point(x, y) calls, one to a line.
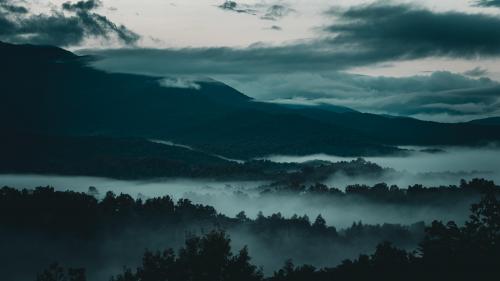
point(487, 3)
point(6, 6)
point(70, 25)
point(314, 72)
point(390, 32)
point(359, 36)
point(441, 96)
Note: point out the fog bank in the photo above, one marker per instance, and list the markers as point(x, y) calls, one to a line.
point(229, 198)
point(430, 166)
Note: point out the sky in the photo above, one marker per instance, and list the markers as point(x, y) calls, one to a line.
point(432, 60)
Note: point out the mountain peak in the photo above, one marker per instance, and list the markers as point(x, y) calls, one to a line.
point(39, 53)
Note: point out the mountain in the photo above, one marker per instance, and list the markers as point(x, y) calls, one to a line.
point(133, 158)
point(58, 94)
point(108, 157)
point(322, 106)
point(491, 121)
point(49, 91)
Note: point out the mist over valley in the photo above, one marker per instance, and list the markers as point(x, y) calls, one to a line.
point(249, 140)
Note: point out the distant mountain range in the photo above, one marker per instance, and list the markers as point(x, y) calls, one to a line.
point(494, 121)
point(49, 91)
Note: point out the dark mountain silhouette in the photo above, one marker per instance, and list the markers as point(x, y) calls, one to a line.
point(136, 158)
point(109, 157)
point(322, 106)
point(49, 91)
point(492, 121)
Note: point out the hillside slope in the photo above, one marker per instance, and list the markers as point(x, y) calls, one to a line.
point(49, 91)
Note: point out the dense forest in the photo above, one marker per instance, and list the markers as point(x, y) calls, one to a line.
point(447, 252)
point(113, 232)
point(135, 158)
point(383, 193)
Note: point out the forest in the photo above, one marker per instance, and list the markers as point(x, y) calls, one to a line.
point(186, 241)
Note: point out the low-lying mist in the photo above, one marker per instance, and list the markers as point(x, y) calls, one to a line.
point(104, 236)
point(432, 166)
point(445, 166)
point(269, 249)
point(229, 198)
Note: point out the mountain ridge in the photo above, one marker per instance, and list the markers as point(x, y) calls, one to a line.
point(65, 96)
point(490, 121)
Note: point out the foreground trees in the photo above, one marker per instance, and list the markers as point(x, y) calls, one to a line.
point(448, 252)
point(55, 272)
point(202, 258)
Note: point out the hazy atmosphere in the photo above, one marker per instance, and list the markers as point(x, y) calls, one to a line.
point(249, 140)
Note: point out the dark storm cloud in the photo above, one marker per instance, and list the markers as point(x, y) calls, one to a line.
point(487, 3)
point(13, 8)
point(360, 36)
point(235, 7)
point(98, 25)
point(58, 28)
point(82, 5)
point(225, 60)
point(405, 31)
point(7, 6)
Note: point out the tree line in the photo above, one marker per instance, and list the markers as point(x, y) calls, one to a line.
point(447, 252)
point(384, 193)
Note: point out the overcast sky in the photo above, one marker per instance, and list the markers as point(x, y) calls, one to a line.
point(433, 60)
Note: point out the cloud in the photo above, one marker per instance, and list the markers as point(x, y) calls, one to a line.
point(58, 28)
point(82, 5)
point(476, 72)
point(360, 36)
point(178, 82)
point(235, 7)
point(392, 32)
point(266, 11)
point(219, 60)
point(277, 11)
point(487, 3)
point(6, 6)
point(441, 96)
